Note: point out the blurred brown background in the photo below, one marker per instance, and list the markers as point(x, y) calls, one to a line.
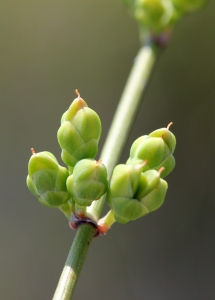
point(50, 48)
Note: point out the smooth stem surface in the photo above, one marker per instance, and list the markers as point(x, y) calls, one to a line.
point(74, 262)
point(110, 154)
point(125, 115)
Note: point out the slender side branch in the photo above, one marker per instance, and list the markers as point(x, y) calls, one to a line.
point(114, 144)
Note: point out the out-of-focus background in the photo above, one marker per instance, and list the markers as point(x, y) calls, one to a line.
point(47, 50)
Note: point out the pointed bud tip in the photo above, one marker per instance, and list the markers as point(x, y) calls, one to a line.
point(99, 162)
point(32, 151)
point(161, 170)
point(79, 101)
point(140, 165)
point(77, 93)
point(170, 124)
point(144, 163)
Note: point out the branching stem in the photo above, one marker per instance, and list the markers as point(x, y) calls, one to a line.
point(110, 154)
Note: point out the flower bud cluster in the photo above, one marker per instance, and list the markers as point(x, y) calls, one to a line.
point(85, 180)
point(133, 194)
point(137, 188)
point(159, 15)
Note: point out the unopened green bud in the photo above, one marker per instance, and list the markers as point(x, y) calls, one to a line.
point(88, 182)
point(149, 11)
point(156, 197)
point(154, 14)
point(47, 179)
point(133, 194)
point(175, 16)
point(79, 133)
point(125, 180)
point(123, 186)
point(157, 149)
point(152, 189)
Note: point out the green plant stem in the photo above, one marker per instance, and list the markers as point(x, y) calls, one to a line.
point(110, 154)
point(74, 262)
point(124, 116)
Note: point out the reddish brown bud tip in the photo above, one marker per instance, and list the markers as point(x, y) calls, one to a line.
point(77, 92)
point(102, 228)
point(144, 163)
point(99, 162)
point(170, 124)
point(72, 225)
point(32, 151)
point(161, 170)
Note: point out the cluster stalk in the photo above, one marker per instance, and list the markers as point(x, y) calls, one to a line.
point(116, 139)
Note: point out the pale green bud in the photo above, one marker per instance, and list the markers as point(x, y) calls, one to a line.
point(149, 11)
point(156, 15)
point(125, 180)
point(47, 179)
point(156, 197)
point(133, 194)
point(157, 149)
point(88, 182)
point(79, 133)
point(123, 186)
